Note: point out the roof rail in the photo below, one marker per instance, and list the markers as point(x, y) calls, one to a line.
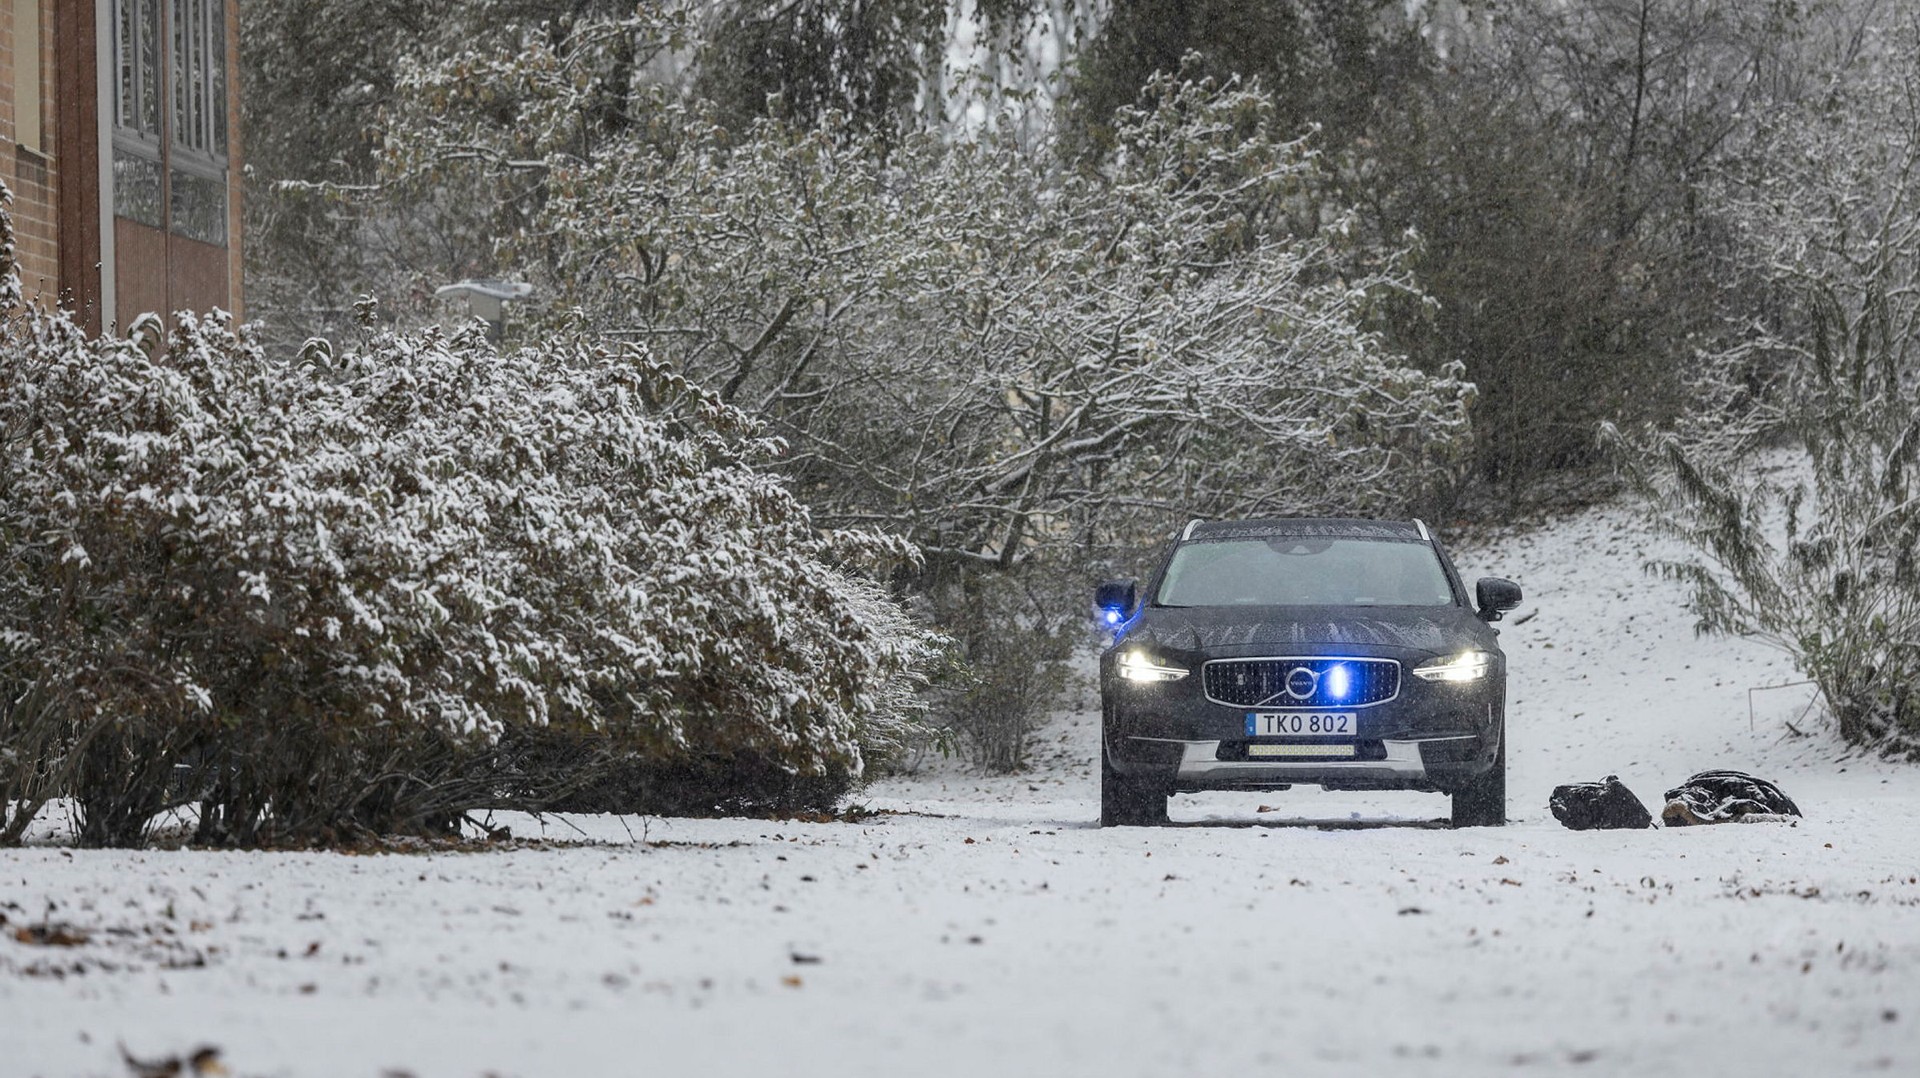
point(1422, 525)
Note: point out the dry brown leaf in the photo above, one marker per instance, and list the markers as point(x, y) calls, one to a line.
point(50, 935)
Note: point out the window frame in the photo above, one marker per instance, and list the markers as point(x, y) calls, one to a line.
point(178, 99)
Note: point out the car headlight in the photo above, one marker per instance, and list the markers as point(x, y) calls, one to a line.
point(1137, 666)
point(1466, 666)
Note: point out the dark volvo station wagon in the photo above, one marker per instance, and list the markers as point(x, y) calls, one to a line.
point(1270, 653)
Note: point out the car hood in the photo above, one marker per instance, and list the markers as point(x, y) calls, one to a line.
point(1229, 628)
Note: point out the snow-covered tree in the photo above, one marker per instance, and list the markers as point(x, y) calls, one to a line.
point(1825, 563)
point(948, 334)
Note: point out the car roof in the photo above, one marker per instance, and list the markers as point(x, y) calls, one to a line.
point(1315, 527)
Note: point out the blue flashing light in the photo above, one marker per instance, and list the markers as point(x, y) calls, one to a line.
point(1112, 616)
point(1338, 682)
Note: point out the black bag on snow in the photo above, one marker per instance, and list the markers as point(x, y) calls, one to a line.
point(1720, 796)
point(1590, 806)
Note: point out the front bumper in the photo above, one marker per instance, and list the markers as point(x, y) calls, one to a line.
point(1402, 765)
point(1431, 736)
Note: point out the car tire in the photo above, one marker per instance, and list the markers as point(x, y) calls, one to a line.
point(1127, 801)
point(1483, 803)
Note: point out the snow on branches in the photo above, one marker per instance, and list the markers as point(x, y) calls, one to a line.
point(1006, 353)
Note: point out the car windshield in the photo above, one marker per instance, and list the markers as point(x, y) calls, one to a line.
point(1305, 571)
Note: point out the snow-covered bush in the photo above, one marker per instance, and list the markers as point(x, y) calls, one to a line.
point(317, 595)
point(1826, 563)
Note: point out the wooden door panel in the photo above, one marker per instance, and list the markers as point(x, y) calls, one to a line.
point(196, 276)
point(140, 271)
point(165, 273)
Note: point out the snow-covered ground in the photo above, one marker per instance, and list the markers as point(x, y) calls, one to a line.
point(988, 928)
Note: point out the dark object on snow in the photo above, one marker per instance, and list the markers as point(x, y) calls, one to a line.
point(1720, 796)
point(204, 1060)
point(1591, 806)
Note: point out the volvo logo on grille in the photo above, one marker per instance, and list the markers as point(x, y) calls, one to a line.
point(1301, 681)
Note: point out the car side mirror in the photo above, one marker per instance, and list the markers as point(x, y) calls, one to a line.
point(1115, 599)
point(1496, 597)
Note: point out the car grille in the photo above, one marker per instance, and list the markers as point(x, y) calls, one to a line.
point(1264, 682)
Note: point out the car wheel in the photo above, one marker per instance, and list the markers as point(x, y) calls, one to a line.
point(1483, 803)
point(1129, 802)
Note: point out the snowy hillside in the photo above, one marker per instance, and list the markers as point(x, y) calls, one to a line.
point(983, 925)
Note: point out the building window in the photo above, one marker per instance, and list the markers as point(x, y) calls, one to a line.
point(136, 47)
point(136, 187)
point(199, 61)
point(26, 75)
point(170, 116)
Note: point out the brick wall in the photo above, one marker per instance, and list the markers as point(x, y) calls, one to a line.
point(33, 178)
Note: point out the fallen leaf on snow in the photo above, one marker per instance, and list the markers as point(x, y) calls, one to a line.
point(792, 980)
point(50, 935)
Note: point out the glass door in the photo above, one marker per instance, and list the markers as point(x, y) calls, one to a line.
point(170, 170)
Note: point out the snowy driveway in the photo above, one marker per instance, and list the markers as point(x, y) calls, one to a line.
point(1021, 943)
point(989, 929)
